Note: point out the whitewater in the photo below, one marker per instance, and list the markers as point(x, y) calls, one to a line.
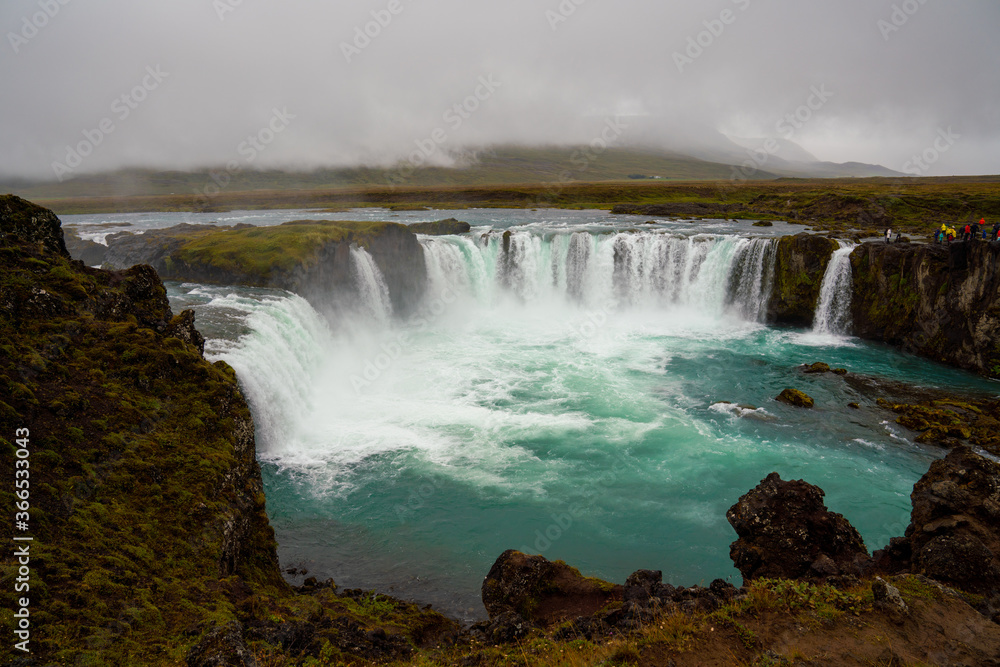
point(594, 389)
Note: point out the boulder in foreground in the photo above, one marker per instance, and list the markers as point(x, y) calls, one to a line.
point(954, 534)
point(785, 531)
point(542, 591)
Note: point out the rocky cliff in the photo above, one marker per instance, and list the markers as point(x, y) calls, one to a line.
point(800, 264)
point(151, 543)
point(311, 258)
point(938, 301)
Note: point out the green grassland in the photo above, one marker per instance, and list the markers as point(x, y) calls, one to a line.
point(915, 206)
point(261, 251)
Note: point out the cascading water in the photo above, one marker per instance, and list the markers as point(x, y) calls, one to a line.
point(833, 311)
point(752, 277)
point(641, 270)
point(371, 288)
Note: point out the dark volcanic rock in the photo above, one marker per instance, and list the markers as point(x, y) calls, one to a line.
point(441, 227)
point(954, 534)
point(798, 275)
point(152, 247)
point(31, 223)
point(938, 301)
point(542, 591)
point(785, 531)
point(88, 252)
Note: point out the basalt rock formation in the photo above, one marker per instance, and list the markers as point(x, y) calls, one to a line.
point(785, 531)
point(441, 227)
point(88, 252)
point(938, 301)
point(311, 258)
point(800, 265)
point(954, 531)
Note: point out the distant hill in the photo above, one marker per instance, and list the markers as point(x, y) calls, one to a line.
point(498, 165)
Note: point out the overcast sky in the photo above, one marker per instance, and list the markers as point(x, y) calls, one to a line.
point(887, 79)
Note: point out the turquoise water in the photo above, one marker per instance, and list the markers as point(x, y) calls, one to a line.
point(570, 403)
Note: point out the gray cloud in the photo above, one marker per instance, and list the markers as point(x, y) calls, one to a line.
point(555, 80)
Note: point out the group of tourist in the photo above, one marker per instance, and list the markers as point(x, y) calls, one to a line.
point(970, 232)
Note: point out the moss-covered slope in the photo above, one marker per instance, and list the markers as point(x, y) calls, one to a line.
point(151, 542)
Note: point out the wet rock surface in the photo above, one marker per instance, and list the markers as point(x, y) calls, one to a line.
point(795, 397)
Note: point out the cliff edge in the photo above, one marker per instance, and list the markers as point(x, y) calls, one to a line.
point(938, 301)
point(144, 501)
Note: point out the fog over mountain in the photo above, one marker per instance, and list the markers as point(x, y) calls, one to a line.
point(93, 86)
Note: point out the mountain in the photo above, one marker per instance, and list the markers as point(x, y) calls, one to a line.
point(494, 165)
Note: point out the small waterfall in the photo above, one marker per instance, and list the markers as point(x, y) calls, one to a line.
point(751, 280)
point(372, 290)
point(833, 312)
point(581, 247)
point(715, 274)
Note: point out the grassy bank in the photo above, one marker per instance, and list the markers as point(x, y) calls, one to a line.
point(913, 205)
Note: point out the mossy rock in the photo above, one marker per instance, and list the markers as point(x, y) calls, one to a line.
point(818, 367)
point(795, 397)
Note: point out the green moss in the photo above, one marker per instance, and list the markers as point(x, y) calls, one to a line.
point(259, 252)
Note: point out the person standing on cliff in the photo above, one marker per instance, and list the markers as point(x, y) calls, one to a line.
point(996, 230)
point(888, 235)
point(967, 232)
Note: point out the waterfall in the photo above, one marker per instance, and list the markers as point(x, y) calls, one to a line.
point(752, 278)
point(833, 312)
point(277, 361)
point(715, 274)
point(372, 291)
